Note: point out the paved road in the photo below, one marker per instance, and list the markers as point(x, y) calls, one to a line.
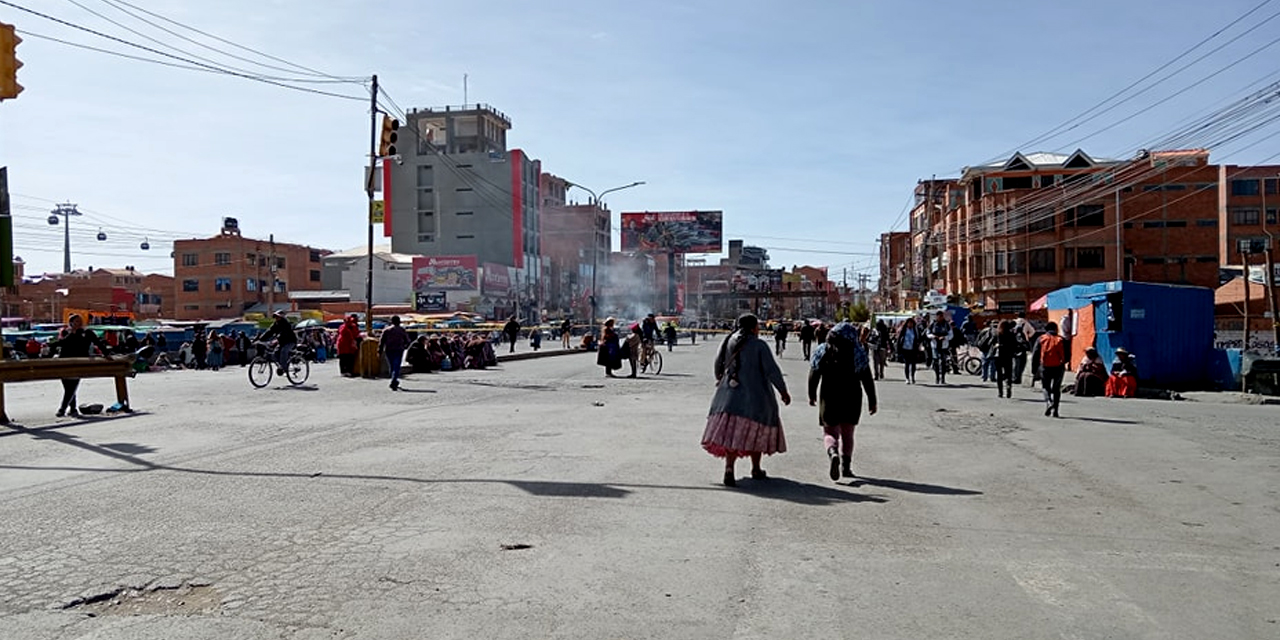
point(540, 500)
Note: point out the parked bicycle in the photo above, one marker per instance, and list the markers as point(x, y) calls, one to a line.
point(969, 358)
point(265, 364)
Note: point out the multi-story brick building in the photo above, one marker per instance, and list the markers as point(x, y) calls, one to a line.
point(895, 251)
point(227, 275)
point(569, 233)
point(1004, 234)
point(99, 292)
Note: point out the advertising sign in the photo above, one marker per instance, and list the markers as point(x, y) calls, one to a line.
point(497, 280)
point(434, 273)
point(431, 302)
point(673, 231)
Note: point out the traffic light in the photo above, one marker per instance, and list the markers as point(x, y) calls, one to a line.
point(387, 146)
point(9, 63)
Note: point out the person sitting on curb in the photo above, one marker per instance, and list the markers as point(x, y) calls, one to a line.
point(1123, 382)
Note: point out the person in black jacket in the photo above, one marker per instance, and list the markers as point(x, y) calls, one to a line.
point(842, 367)
point(284, 334)
point(76, 342)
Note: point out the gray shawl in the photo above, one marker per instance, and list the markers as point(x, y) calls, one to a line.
point(746, 376)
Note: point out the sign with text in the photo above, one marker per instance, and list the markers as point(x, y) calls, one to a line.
point(497, 280)
point(429, 302)
point(673, 231)
point(434, 273)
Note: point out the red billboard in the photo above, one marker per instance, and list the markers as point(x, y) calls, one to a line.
point(444, 273)
point(497, 280)
point(673, 231)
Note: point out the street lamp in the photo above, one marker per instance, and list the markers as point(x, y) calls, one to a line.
point(595, 239)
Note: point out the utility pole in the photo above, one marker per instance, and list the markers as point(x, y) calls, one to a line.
point(373, 166)
point(1244, 257)
point(1269, 278)
point(271, 274)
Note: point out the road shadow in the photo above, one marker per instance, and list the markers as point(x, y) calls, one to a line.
point(1102, 420)
point(16, 428)
point(568, 489)
point(801, 492)
point(912, 487)
point(129, 448)
point(408, 390)
point(297, 387)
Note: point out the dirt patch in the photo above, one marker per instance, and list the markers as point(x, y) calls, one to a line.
point(186, 598)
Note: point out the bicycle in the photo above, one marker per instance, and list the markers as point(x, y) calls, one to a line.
point(650, 358)
point(970, 360)
point(264, 365)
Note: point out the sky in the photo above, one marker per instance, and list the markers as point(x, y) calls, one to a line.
point(808, 122)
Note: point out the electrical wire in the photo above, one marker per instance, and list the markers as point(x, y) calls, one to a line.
point(256, 78)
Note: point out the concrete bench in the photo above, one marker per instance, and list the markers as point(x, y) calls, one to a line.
point(59, 368)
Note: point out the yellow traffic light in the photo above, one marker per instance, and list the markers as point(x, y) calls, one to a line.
point(9, 62)
point(387, 145)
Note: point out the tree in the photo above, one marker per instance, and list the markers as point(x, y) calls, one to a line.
point(859, 313)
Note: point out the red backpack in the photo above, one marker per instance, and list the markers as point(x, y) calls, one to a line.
point(1052, 351)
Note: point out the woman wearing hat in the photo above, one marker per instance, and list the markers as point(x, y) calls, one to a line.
point(842, 367)
point(610, 354)
point(1123, 382)
point(743, 419)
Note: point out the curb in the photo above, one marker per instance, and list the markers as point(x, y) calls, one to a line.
point(533, 355)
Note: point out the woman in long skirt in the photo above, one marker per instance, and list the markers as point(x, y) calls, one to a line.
point(744, 420)
point(610, 354)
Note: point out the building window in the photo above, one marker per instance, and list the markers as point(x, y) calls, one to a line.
point(1020, 182)
point(1047, 180)
point(314, 275)
point(1244, 187)
point(426, 237)
point(1271, 216)
point(250, 258)
point(1153, 224)
point(1244, 216)
point(463, 189)
point(1000, 263)
point(1175, 224)
point(1085, 215)
point(1041, 260)
point(190, 259)
point(1090, 258)
point(464, 213)
point(280, 286)
point(222, 284)
point(191, 307)
point(467, 236)
point(1207, 222)
point(1270, 185)
point(315, 256)
point(222, 258)
point(1041, 220)
point(190, 285)
point(464, 166)
point(222, 305)
point(1206, 258)
point(280, 262)
point(250, 285)
point(1017, 262)
point(1153, 260)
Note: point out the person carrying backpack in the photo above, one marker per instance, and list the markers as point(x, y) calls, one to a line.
point(1050, 358)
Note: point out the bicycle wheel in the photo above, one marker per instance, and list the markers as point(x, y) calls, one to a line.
point(298, 370)
point(655, 363)
point(972, 365)
point(260, 372)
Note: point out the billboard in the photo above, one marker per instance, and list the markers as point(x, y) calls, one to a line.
point(431, 302)
point(435, 273)
point(673, 231)
point(497, 280)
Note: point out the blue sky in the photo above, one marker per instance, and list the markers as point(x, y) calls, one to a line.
point(807, 122)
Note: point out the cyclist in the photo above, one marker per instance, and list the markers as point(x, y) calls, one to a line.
point(649, 329)
point(285, 337)
point(940, 339)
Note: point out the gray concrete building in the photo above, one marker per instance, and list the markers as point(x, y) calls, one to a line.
point(457, 190)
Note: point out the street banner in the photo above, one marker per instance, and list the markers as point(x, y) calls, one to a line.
point(497, 280)
point(673, 232)
point(386, 199)
point(435, 273)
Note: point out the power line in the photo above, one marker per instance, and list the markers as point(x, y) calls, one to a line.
point(262, 79)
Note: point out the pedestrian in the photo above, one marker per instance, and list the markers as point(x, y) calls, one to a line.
point(1066, 329)
point(669, 335)
point(231, 348)
point(512, 332)
point(535, 337)
point(75, 342)
point(610, 354)
point(566, 332)
point(348, 346)
point(806, 338)
point(162, 345)
point(743, 419)
point(908, 346)
point(939, 334)
point(820, 332)
point(881, 338)
point(392, 343)
point(1008, 346)
point(985, 342)
point(841, 366)
point(1050, 359)
point(215, 350)
point(1025, 333)
point(200, 349)
point(245, 346)
point(780, 338)
point(649, 328)
point(631, 347)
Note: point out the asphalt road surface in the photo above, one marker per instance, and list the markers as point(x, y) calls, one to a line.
point(541, 500)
